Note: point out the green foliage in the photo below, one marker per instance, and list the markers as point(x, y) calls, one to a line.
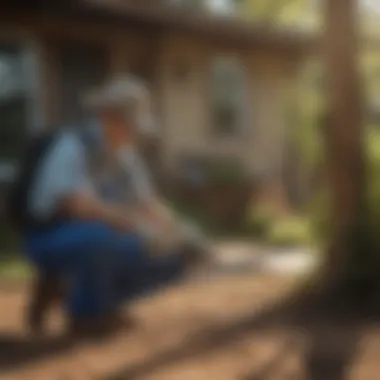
point(290, 231)
point(264, 223)
point(14, 269)
point(226, 173)
point(279, 12)
point(259, 220)
point(192, 214)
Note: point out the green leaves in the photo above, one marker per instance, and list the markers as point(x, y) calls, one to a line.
point(279, 12)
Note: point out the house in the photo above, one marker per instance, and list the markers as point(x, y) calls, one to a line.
point(221, 88)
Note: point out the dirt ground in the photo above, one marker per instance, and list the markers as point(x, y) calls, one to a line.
point(220, 329)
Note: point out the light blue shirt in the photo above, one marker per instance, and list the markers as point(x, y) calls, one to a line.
point(63, 172)
point(67, 168)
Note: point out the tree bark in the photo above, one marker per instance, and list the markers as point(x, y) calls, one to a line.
point(349, 264)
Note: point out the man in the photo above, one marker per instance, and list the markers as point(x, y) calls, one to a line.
point(99, 247)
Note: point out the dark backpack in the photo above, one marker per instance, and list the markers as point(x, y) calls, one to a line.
point(17, 208)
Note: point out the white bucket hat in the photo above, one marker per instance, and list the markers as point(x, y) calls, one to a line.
point(130, 95)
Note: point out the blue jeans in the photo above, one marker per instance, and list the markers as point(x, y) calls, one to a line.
point(104, 267)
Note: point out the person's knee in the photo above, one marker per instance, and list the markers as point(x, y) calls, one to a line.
point(101, 232)
point(90, 242)
point(98, 235)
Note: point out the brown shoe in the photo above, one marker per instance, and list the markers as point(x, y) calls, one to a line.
point(46, 291)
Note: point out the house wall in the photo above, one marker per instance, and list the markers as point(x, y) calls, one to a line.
point(182, 88)
point(272, 85)
point(185, 102)
point(178, 68)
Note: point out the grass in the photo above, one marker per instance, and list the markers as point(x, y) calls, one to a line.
point(265, 224)
point(14, 269)
point(292, 231)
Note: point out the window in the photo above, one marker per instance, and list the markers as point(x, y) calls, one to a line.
point(228, 95)
point(16, 90)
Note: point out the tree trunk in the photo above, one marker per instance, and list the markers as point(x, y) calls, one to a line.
point(349, 265)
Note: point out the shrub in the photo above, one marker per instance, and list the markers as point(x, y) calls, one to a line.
point(290, 231)
point(264, 223)
point(259, 220)
point(14, 269)
point(226, 173)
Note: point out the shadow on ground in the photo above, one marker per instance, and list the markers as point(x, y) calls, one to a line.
point(17, 351)
point(328, 346)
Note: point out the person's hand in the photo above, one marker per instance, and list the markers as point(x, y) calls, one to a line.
point(166, 224)
point(155, 217)
point(121, 222)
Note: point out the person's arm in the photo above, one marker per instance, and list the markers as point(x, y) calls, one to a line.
point(149, 199)
point(135, 169)
point(82, 205)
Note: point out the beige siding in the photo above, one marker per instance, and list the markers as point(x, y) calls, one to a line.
point(183, 98)
point(186, 108)
point(273, 89)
